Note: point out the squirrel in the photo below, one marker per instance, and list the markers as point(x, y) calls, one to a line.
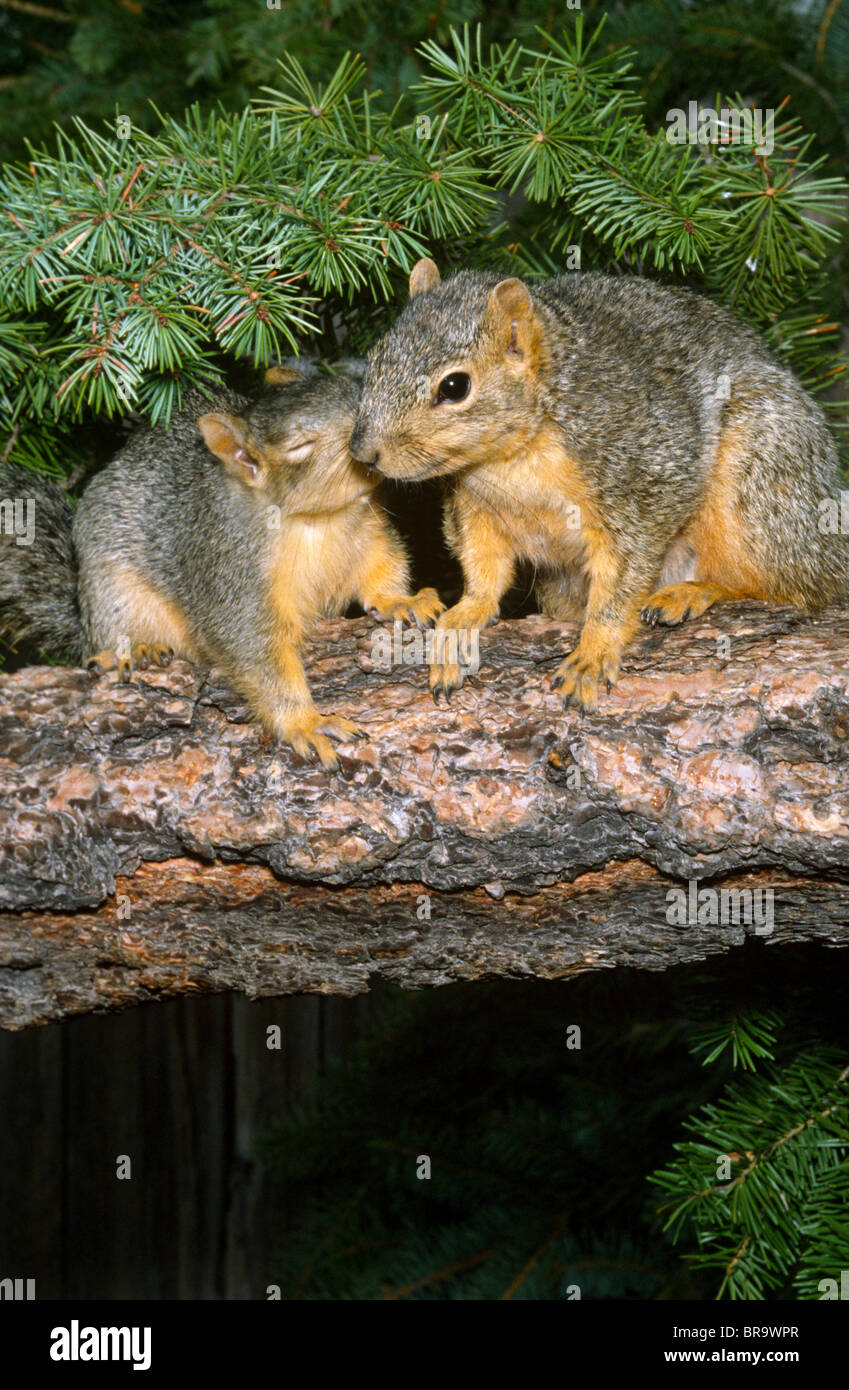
point(639, 444)
point(220, 541)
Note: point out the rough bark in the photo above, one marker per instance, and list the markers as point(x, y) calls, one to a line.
point(156, 842)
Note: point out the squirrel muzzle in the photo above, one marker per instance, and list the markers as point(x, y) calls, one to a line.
point(363, 446)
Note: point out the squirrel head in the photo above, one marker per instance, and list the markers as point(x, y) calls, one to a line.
point(455, 381)
point(291, 445)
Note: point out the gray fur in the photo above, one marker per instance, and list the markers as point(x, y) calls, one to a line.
point(166, 509)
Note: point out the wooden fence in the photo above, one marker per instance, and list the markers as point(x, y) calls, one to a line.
point(183, 1088)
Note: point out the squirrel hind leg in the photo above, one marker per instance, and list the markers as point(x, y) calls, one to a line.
point(142, 655)
point(129, 625)
point(675, 603)
point(756, 532)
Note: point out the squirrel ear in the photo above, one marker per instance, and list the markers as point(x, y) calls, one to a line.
point(278, 376)
point(512, 297)
point(228, 437)
point(511, 315)
point(424, 276)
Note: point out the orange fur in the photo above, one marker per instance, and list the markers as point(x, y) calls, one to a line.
point(610, 622)
point(153, 618)
point(724, 570)
point(723, 553)
point(536, 505)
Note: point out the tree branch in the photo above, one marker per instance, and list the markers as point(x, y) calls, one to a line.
point(157, 843)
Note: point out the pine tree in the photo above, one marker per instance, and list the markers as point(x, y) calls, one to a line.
point(62, 59)
point(133, 261)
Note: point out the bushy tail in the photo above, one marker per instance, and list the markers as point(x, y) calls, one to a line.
point(38, 568)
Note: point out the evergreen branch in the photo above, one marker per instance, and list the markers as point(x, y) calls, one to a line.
point(792, 1130)
point(822, 36)
point(39, 11)
point(342, 1220)
point(438, 1276)
point(534, 1260)
point(330, 196)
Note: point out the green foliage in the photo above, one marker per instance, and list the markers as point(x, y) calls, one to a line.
point(824, 1231)
point(84, 57)
point(134, 262)
point(762, 1186)
point(747, 1038)
point(104, 54)
point(765, 48)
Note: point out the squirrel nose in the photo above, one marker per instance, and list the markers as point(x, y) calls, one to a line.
point(364, 449)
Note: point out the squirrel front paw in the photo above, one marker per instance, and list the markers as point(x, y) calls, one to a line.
point(456, 644)
point(422, 608)
point(578, 676)
point(309, 732)
point(445, 678)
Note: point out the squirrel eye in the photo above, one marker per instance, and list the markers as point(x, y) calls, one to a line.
point(298, 450)
point(454, 387)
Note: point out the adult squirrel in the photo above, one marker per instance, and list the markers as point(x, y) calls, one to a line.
point(220, 540)
point(640, 445)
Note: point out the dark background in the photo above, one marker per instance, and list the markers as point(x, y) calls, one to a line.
point(298, 1167)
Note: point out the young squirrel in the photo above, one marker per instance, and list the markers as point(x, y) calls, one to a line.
point(218, 541)
point(640, 445)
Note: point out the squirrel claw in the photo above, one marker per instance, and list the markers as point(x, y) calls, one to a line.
point(445, 680)
point(421, 609)
point(578, 676)
point(152, 654)
point(676, 603)
point(101, 662)
point(309, 733)
point(142, 656)
point(668, 618)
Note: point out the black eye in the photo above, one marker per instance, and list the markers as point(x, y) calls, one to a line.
point(455, 387)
